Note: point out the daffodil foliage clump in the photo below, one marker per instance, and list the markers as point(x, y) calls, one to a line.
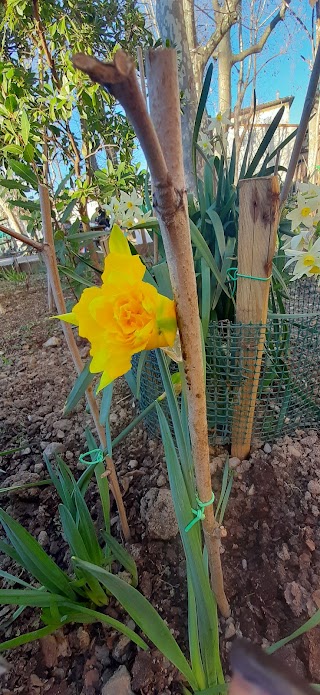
point(124, 316)
point(303, 248)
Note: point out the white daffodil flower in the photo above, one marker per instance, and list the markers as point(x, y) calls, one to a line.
point(304, 213)
point(307, 261)
point(309, 190)
point(216, 123)
point(131, 200)
point(205, 143)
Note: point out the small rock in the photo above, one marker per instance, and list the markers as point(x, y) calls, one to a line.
point(119, 683)
point(43, 538)
point(84, 638)
point(102, 654)
point(26, 451)
point(293, 451)
point(157, 511)
point(63, 424)
point(142, 672)
point(314, 487)
point(289, 656)
point(312, 641)
point(91, 678)
point(284, 554)
point(21, 478)
point(49, 651)
point(36, 681)
point(230, 630)
point(133, 464)
point(296, 597)
point(311, 545)
point(215, 464)
point(234, 462)
point(267, 448)
point(60, 434)
point(52, 342)
point(244, 564)
point(38, 467)
point(121, 649)
point(245, 466)
point(161, 480)
point(53, 448)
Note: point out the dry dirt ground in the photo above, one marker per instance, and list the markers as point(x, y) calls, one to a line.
point(271, 535)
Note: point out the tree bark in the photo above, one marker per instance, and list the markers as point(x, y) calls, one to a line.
point(314, 124)
point(176, 22)
point(224, 74)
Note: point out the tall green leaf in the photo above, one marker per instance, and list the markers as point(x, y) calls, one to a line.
point(205, 603)
point(144, 615)
point(199, 115)
point(264, 143)
point(34, 559)
point(122, 556)
point(200, 243)
point(79, 388)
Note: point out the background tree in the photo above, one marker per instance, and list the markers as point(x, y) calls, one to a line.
point(227, 32)
point(53, 120)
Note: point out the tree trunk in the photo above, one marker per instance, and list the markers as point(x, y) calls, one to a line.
point(314, 124)
point(224, 74)
point(176, 23)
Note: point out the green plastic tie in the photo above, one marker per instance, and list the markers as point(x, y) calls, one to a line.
point(199, 513)
point(233, 275)
point(96, 455)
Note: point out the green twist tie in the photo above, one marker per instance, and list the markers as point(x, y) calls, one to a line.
point(199, 513)
point(233, 275)
point(96, 457)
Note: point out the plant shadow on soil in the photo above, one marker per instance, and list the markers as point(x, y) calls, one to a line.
point(271, 543)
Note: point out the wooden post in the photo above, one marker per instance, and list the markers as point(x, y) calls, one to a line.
point(258, 224)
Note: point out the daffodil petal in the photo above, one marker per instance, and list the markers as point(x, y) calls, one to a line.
point(68, 318)
point(118, 242)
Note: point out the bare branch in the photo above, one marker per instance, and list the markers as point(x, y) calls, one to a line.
point(257, 47)
point(120, 80)
point(226, 17)
point(21, 237)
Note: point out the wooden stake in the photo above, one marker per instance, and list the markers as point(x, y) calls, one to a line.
point(49, 257)
point(258, 223)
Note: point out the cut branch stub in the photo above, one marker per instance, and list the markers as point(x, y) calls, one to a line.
point(120, 79)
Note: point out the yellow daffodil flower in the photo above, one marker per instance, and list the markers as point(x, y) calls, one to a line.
point(123, 316)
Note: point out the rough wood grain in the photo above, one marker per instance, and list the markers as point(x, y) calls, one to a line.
point(258, 223)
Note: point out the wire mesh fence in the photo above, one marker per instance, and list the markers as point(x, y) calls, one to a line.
point(288, 395)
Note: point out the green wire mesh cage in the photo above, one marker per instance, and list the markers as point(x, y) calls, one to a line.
point(288, 386)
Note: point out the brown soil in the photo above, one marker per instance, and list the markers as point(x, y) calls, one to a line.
point(271, 544)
